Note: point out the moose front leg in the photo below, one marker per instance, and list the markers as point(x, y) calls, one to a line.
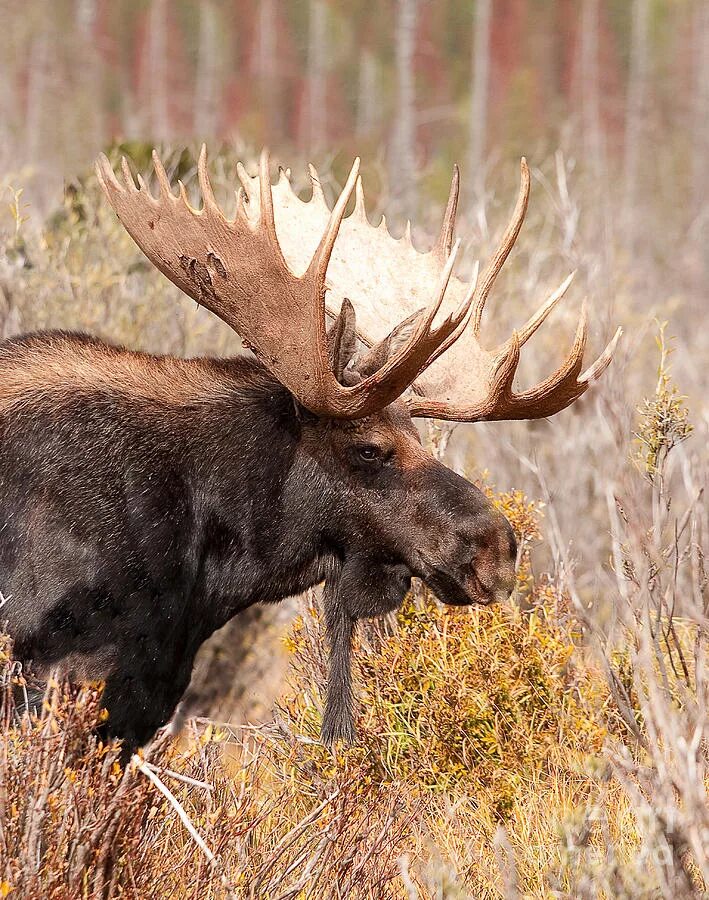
point(364, 587)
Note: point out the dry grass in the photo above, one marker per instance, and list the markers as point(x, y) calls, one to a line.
point(556, 746)
point(495, 756)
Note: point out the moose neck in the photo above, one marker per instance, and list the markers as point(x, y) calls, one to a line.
point(260, 500)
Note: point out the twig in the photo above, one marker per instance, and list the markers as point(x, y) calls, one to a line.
point(185, 819)
point(185, 779)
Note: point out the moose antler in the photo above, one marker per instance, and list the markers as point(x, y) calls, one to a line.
point(245, 271)
point(488, 375)
point(237, 269)
point(463, 380)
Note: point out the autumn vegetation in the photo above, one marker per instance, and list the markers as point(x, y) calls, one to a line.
point(497, 754)
point(553, 746)
point(555, 743)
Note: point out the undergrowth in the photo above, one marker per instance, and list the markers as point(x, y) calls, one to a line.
point(481, 768)
point(552, 746)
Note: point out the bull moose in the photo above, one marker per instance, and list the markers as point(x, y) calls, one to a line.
point(146, 500)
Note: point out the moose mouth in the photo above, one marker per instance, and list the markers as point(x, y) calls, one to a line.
point(455, 590)
point(451, 591)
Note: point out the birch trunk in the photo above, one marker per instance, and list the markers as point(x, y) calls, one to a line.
point(403, 157)
point(85, 17)
point(635, 116)
point(157, 68)
point(37, 84)
point(601, 225)
point(699, 227)
point(206, 98)
point(368, 100)
point(92, 96)
point(479, 94)
point(590, 99)
point(266, 66)
point(317, 75)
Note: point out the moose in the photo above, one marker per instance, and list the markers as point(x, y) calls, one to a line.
point(146, 500)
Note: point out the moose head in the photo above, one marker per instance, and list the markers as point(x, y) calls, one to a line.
point(219, 483)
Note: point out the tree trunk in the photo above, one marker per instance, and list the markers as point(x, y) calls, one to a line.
point(479, 94)
point(206, 96)
point(266, 66)
point(403, 156)
point(86, 12)
point(600, 222)
point(317, 76)
point(699, 226)
point(368, 100)
point(635, 118)
point(157, 68)
point(590, 99)
point(38, 78)
point(85, 17)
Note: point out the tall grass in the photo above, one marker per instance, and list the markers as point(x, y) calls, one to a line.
point(553, 746)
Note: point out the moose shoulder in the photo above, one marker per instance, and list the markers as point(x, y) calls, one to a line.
point(146, 500)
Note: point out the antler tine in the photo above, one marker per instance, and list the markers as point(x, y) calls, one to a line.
point(318, 194)
point(128, 175)
point(161, 175)
point(185, 199)
point(424, 326)
point(268, 222)
point(534, 321)
point(443, 245)
point(105, 174)
point(247, 182)
point(205, 185)
point(360, 211)
point(466, 305)
point(595, 370)
point(241, 200)
point(442, 287)
point(142, 185)
point(321, 257)
point(570, 368)
point(492, 269)
point(504, 374)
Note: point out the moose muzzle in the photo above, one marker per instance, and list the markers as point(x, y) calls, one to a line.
point(467, 548)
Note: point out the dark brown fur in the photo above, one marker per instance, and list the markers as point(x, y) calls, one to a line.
point(144, 501)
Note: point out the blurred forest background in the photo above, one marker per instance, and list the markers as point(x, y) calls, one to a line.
point(623, 85)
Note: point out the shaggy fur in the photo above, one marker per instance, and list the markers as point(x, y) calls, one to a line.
point(144, 501)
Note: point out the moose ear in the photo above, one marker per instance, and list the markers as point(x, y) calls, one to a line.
point(342, 339)
point(372, 360)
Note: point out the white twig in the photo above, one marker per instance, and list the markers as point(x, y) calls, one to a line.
point(185, 779)
point(184, 818)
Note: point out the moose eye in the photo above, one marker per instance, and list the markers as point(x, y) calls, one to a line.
point(368, 452)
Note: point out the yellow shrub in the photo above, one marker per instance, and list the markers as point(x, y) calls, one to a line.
point(469, 699)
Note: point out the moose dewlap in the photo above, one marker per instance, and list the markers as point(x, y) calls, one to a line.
point(147, 500)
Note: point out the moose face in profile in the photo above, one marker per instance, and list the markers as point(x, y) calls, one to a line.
point(147, 500)
point(394, 501)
